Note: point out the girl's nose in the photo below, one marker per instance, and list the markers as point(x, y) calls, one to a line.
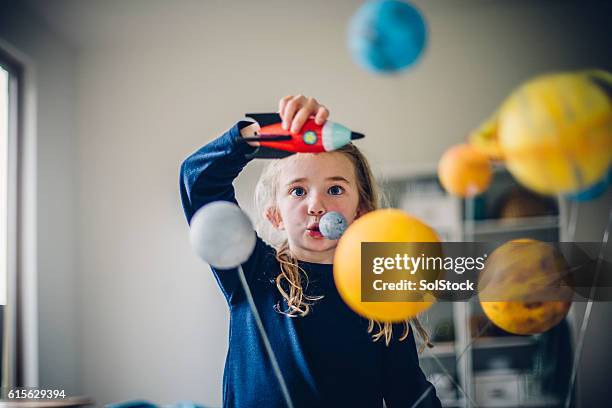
point(316, 206)
point(312, 211)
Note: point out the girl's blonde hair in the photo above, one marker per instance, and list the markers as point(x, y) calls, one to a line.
point(292, 279)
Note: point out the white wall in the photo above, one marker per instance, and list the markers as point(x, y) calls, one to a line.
point(53, 64)
point(157, 80)
point(150, 309)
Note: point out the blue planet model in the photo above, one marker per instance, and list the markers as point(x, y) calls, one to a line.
point(386, 36)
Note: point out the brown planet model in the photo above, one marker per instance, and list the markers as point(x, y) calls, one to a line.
point(522, 287)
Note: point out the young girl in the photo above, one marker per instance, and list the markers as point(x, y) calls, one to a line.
point(327, 354)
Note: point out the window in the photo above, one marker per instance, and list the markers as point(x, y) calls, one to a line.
point(4, 132)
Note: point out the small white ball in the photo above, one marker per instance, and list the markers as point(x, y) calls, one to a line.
point(222, 235)
point(332, 225)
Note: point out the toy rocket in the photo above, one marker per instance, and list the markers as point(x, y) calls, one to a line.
point(276, 142)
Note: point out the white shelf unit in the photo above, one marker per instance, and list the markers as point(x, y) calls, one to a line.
point(420, 194)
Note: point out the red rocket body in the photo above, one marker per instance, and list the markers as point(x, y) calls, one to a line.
point(276, 142)
point(297, 143)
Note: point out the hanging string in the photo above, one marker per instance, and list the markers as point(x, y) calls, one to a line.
point(266, 341)
point(587, 312)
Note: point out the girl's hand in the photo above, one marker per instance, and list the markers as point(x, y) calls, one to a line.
point(295, 110)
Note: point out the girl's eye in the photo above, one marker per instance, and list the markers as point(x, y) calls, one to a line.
point(335, 190)
point(298, 192)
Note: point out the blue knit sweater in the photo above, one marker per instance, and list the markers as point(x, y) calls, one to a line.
point(327, 357)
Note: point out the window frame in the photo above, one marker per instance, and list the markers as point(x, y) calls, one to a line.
point(19, 335)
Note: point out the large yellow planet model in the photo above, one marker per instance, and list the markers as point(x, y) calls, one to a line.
point(521, 288)
point(554, 132)
point(387, 225)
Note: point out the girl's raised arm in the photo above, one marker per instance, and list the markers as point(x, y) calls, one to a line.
point(207, 174)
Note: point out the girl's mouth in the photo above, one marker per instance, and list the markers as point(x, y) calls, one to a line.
point(313, 230)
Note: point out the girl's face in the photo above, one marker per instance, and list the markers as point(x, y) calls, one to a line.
point(311, 185)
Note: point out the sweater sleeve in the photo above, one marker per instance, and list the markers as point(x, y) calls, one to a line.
point(405, 383)
point(206, 176)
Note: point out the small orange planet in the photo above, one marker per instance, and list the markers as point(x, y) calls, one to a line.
point(521, 287)
point(464, 171)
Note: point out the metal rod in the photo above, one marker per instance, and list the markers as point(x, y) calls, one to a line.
point(266, 341)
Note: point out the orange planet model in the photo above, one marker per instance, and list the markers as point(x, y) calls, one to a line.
point(464, 171)
point(388, 225)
